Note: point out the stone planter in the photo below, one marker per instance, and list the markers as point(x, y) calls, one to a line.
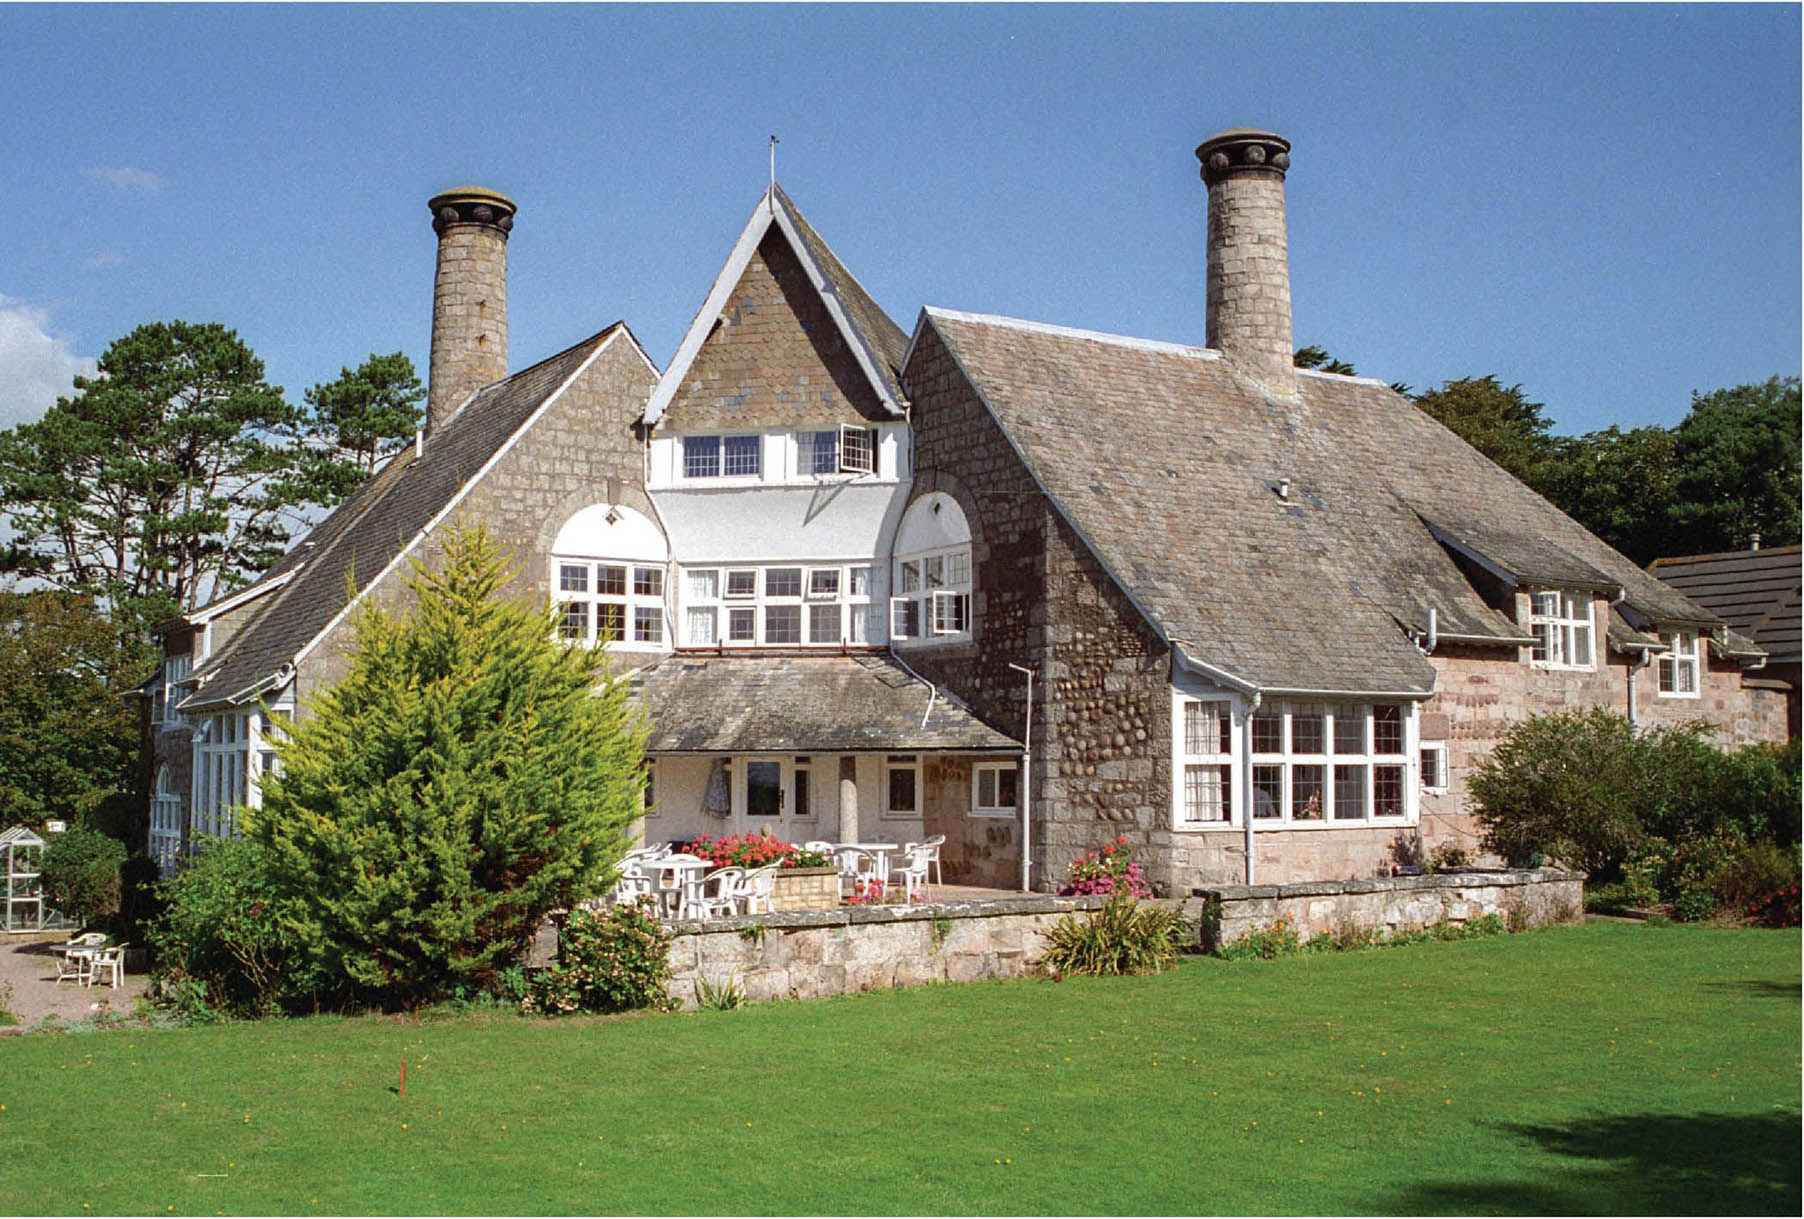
point(806, 889)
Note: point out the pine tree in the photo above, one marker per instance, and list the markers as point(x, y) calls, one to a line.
point(470, 774)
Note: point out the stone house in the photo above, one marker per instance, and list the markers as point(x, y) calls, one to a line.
point(843, 562)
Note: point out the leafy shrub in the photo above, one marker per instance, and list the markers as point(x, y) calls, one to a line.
point(726, 997)
point(1265, 944)
point(468, 776)
point(1108, 871)
point(1753, 873)
point(81, 874)
point(1763, 795)
point(220, 948)
point(1124, 937)
point(1446, 857)
point(1778, 909)
point(1694, 906)
point(754, 851)
point(611, 962)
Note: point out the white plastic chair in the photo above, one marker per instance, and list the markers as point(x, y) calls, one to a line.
point(74, 964)
point(756, 888)
point(934, 844)
point(910, 879)
point(854, 865)
point(825, 848)
point(109, 964)
point(719, 893)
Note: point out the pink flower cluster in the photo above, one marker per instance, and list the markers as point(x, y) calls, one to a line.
point(1108, 872)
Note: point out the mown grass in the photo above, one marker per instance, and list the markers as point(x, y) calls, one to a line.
point(1600, 1069)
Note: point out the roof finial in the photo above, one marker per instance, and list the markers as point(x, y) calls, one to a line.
point(773, 166)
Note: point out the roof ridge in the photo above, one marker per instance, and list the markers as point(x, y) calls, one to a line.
point(1073, 332)
point(1746, 553)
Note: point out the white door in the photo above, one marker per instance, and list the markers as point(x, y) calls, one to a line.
point(782, 795)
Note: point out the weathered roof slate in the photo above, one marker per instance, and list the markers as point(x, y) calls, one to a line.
point(1168, 463)
point(364, 534)
point(887, 339)
point(1754, 591)
point(802, 704)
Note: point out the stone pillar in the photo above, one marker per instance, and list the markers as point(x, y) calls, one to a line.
point(848, 799)
point(1249, 261)
point(469, 297)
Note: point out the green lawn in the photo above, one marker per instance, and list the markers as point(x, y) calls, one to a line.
point(1606, 1068)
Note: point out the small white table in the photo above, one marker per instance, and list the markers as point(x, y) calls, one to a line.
point(679, 881)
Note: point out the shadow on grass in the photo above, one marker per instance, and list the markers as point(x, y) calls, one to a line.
point(1760, 988)
point(1653, 1163)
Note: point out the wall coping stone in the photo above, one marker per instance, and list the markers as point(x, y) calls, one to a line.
point(1464, 878)
point(846, 916)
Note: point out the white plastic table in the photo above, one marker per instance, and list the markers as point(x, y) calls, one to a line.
point(679, 881)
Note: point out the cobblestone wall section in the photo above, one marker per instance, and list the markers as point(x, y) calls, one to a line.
point(1101, 767)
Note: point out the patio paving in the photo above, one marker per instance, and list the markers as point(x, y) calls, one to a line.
point(31, 969)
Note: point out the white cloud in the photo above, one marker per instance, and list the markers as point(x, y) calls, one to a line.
point(105, 259)
point(36, 366)
point(128, 178)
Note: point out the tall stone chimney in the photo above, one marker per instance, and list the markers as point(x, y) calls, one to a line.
point(469, 297)
point(1249, 261)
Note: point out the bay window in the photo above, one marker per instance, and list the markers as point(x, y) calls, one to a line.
point(610, 603)
point(786, 605)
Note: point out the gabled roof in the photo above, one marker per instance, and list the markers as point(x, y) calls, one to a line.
point(1169, 465)
point(373, 530)
point(876, 342)
point(803, 704)
point(1754, 591)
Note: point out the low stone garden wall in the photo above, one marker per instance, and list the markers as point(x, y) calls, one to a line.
point(1529, 898)
point(808, 954)
point(805, 889)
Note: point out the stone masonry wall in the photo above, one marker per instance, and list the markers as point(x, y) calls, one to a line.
point(1102, 708)
point(1404, 903)
point(776, 358)
point(582, 451)
point(811, 954)
point(469, 316)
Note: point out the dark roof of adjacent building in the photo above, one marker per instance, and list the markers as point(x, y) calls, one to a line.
point(1169, 465)
point(357, 542)
point(803, 704)
point(1754, 591)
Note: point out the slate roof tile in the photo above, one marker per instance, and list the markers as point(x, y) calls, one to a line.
point(1754, 591)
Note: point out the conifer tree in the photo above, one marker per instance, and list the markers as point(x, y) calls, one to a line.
point(470, 774)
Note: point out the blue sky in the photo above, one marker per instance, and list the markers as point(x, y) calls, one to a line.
point(1601, 203)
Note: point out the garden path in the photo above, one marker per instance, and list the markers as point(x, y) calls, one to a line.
point(31, 969)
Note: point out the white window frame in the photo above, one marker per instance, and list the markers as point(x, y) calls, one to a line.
point(854, 597)
point(175, 667)
point(223, 748)
point(720, 473)
point(1563, 627)
point(995, 770)
point(940, 593)
point(1242, 789)
point(165, 822)
point(1678, 659)
point(1225, 757)
point(1437, 778)
point(634, 605)
point(894, 763)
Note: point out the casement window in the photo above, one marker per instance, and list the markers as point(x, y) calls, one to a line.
point(844, 450)
point(165, 823)
point(1312, 764)
point(781, 605)
point(801, 783)
point(995, 789)
point(901, 786)
point(933, 601)
point(1678, 666)
point(1206, 764)
point(1561, 625)
point(1433, 756)
point(723, 456)
point(615, 603)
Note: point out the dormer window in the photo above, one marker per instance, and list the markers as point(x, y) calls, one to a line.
point(1678, 666)
point(608, 579)
point(1562, 627)
point(933, 573)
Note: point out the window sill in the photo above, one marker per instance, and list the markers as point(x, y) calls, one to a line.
point(998, 814)
point(1553, 667)
point(1675, 694)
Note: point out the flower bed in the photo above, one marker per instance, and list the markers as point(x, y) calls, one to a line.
point(1106, 872)
point(754, 851)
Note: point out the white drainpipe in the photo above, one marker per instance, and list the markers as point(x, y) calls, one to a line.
point(1246, 784)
